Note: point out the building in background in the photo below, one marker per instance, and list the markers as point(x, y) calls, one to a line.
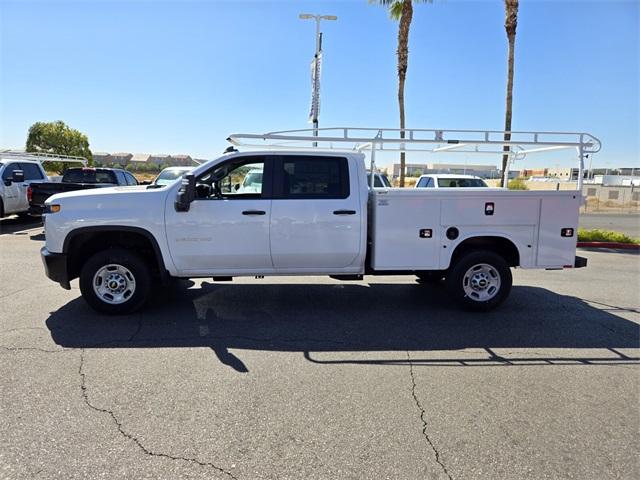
point(417, 169)
point(143, 160)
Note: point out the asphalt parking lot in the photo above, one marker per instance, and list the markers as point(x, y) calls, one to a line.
point(316, 379)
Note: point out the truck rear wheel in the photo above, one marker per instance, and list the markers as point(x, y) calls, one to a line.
point(115, 281)
point(480, 280)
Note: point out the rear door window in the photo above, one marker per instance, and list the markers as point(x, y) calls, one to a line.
point(31, 171)
point(308, 177)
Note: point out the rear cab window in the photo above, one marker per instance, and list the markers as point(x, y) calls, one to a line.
point(88, 175)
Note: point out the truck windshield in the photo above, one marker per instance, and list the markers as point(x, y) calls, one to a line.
point(169, 176)
point(460, 182)
point(88, 175)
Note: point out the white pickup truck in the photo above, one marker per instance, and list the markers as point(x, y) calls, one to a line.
point(18, 170)
point(312, 214)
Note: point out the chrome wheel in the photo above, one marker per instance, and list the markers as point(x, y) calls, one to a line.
point(114, 284)
point(481, 282)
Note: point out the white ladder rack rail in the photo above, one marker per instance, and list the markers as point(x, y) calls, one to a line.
point(43, 157)
point(519, 144)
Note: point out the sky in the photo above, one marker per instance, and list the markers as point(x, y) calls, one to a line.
point(179, 76)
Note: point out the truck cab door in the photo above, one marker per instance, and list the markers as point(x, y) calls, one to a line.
point(15, 193)
point(316, 214)
point(226, 230)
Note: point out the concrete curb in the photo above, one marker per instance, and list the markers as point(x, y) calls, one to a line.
point(623, 246)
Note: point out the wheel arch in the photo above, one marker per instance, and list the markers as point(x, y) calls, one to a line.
point(499, 244)
point(82, 243)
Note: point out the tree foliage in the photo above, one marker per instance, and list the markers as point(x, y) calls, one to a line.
point(58, 138)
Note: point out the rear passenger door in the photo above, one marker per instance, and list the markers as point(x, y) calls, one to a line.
point(315, 215)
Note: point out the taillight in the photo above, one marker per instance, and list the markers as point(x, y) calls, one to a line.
point(29, 193)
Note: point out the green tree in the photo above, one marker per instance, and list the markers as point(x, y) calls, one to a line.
point(59, 138)
point(510, 25)
point(401, 10)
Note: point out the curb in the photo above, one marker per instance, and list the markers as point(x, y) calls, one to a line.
point(623, 246)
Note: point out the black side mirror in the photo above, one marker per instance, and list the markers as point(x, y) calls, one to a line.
point(18, 176)
point(186, 194)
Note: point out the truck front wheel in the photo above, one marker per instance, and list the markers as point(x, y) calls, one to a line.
point(115, 281)
point(480, 280)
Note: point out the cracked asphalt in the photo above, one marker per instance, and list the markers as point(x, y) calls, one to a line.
point(291, 378)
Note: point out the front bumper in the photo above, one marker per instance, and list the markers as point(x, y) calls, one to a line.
point(55, 267)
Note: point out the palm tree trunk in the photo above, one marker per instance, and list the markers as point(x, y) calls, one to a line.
point(403, 61)
point(509, 107)
point(510, 25)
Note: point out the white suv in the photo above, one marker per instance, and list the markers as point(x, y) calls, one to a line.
point(449, 181)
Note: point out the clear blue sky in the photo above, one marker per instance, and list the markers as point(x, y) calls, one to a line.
point(177, 77)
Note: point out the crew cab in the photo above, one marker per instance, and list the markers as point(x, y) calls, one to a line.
point(312, 213)
point(76, 179)
point(16, 174)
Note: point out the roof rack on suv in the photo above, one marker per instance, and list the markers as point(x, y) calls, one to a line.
point(516, 144)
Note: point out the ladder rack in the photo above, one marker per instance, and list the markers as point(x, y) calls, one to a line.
point(42, 157)
point(516, 144)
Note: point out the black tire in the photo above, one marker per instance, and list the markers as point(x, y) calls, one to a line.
point(430, 277)
point(459, 283)
point(132, 263)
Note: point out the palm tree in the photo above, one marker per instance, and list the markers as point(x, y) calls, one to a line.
point(510, 24)
point(401, 10)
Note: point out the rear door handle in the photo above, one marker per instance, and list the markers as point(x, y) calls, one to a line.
point(344, 212)
point(254, 212)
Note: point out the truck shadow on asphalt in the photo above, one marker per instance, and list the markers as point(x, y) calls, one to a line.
point(346, 319)
point(18, 225)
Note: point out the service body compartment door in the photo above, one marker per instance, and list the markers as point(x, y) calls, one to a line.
point(558, 212)
point(315, 216)
point(405, 230)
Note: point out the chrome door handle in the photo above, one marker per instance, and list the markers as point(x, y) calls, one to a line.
point(254, 212)
point(344, 212)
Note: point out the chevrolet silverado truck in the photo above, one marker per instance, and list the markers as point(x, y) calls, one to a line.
point(312, 213)
point(76, 179)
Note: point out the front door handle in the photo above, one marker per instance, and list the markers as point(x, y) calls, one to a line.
point(344, 212)
point(254, 212)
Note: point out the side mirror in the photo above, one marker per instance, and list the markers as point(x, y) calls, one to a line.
point(186, 194)
point(236, 187)
point(18, 176)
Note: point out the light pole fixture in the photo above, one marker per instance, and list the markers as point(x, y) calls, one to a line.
point(316, 69)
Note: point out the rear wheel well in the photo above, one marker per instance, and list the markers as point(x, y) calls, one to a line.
point(83, 245)
point(499, 245)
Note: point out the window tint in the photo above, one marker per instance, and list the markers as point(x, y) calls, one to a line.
point(31, 171)
point(88, 175)
point(460, 182)
point(121, 179)
point(131, 180)
point(430, 183)
point(8, 170)
point(422, 182)
point(313, 177)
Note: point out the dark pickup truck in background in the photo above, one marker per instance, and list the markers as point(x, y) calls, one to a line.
point(76, 179)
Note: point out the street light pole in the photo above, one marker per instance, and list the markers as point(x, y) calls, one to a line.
point(316, 65)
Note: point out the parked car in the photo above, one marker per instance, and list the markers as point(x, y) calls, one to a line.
point(312, 214)
point(16, 175)
point(76, 179)
point(449, 181)
point(380, 180)
point(170, 175)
